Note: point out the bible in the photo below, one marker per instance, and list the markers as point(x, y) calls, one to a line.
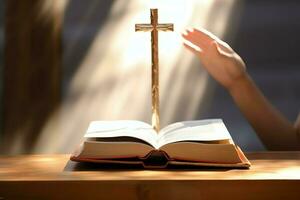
point(188, 143)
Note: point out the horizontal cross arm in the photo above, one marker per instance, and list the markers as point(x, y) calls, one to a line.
point(143, 27)
point(165, 27)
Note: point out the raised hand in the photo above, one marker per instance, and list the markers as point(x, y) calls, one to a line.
point(217, 57)
point(227, 67)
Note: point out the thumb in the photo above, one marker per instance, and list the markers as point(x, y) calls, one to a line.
point(216, 48)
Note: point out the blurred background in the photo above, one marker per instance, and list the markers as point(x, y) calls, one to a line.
point(64, 63)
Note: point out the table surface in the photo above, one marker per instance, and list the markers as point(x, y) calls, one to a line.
point(265, 166)
point(273, 175)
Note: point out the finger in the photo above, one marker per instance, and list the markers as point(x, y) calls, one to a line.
point(219, 50)
point(195, 40)
point(204, 34)
point(209, 37)
point(192, 48)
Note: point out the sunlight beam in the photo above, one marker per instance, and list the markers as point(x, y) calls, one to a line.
point(113, 80)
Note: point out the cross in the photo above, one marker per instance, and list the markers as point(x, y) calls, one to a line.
point(154, 27)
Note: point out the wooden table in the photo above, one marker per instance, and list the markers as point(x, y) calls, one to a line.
point(273, 175)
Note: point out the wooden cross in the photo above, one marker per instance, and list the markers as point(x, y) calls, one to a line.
point(154, 27)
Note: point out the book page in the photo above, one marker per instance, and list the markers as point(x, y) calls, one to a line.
point(201, 130)
point(113, 150)
point(201, 152)
point(122, 128)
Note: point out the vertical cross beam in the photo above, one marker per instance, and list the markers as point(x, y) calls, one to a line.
point(154, 27)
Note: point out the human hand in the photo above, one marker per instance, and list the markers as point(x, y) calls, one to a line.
point(217, 57)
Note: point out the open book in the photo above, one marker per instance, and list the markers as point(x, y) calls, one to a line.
point(200, 143)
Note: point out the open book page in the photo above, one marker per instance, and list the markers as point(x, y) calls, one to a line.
point(122, 128)
point(201, 130)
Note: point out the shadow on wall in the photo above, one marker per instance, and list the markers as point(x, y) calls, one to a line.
point(2, 7)
point(83, 21)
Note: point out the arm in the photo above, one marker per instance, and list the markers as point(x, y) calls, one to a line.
point(276, 132)
point(227, 68)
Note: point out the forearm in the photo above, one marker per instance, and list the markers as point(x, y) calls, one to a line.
point(275, 131)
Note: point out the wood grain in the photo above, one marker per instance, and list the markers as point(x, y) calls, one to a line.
point(273, 175)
